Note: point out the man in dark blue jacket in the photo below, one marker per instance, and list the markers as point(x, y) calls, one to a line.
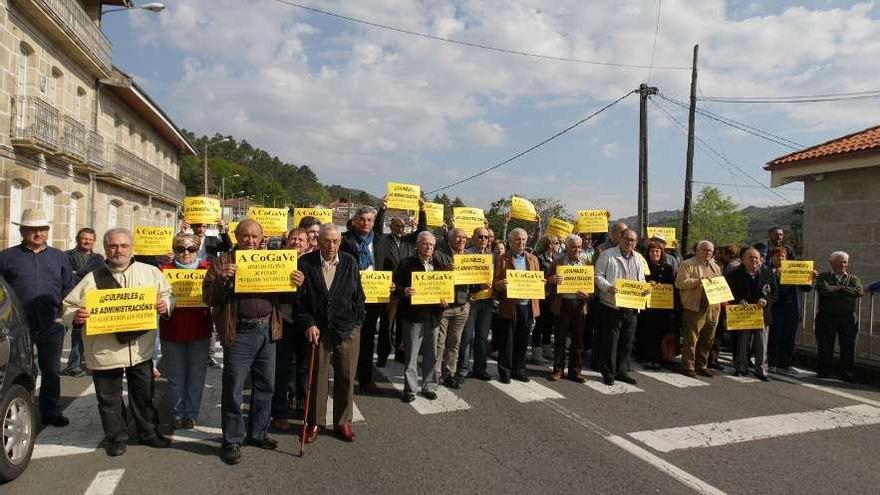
point(753, 283)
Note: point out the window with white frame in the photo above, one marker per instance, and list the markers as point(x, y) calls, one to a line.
point(16, 195)
point(112, 215)
point(48, 206)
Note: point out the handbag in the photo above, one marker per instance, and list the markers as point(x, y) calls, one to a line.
point(104, 280)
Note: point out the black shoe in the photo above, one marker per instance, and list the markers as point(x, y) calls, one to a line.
point(408, 397)
point(504, 379)
point(381, 362)
point(231, 454)
point(763, 377)
point(459, 381)
point(848, 378)
point(115, 449)
point(429, 394)
point(521, 378)
point(213, 364)
point(716, 366)
point(482, 375)
point(58, 421)
point(157, 442)
point(608, 380)
point(626, 379)
point(399, 357)
point(823, 374)
point(451, 382)
point(265, 443)
point(189, 424)
point(177, 424)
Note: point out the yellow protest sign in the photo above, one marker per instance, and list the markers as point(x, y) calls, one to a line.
point(716, 289)
point(523, 209)
point(592, 221)
point(667, 233)
point(324, 215)
point(403, 196)
point(575, 278)
point(525, 284)
point(152, 241)
point(796, 273)
point(264, 271)
point(232, 226)
point(199, 209)
point(661, 297)
point(121, 310)
point(273, 220)
point(377, 286)
point(468, 219)
point(432, 287)
point(483, 294)
point(473, 268)
point(745, 317)
point(559, 228)
point(434, 214)
point(631, 293)
point(186, 285)
point(643, 262)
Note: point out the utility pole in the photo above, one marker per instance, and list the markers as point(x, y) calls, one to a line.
point(644, 92)
point(689, 165)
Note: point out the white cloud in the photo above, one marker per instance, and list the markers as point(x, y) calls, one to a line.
point(610, 150)
point(486, 134)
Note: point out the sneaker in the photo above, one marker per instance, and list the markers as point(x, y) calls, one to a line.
point(231, 454)
point(115, 449)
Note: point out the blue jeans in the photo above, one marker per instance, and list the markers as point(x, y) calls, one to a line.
point(75, 360)
point(185, 364)
point(252, 355)
point(49, 342)
point(475, 339)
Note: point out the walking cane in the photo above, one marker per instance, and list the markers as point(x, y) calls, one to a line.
point(302, 438)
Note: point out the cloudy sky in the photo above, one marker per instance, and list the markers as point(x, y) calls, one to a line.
point(362, 105)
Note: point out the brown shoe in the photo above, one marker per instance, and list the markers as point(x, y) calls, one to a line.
point(689, 373)
point(577, 378)
point(281, 424)
point(555, 376)
point(705, 372)
point(312, 433)
point(346, 432)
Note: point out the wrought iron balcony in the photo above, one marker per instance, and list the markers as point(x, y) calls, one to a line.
point(34, 124)
point(97, 152)
point(71, 23)
point(173, 188)
point(74, 143)
point(130, 170)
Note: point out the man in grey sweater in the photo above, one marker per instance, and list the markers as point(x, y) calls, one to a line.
point(839, 293)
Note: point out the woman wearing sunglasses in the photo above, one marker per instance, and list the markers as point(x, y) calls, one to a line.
point(185, 341)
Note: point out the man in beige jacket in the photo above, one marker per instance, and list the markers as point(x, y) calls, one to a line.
point(699, 318)
point(109, 356)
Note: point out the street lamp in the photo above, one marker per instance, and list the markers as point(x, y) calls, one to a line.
point(208, 144)
point(155, 7)
point(223, 184)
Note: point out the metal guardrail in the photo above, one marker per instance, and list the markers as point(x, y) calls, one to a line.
point(96, 154)
point(136, 171)
point(76, 23)
point(173, 188)
point(867, 344)
point(34, 123)
point(74, 143)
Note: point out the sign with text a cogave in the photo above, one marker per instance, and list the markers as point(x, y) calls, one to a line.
point(403, 196)
point(592, 221)
point(260, 271)
point(323, 215)
point(152, 241)
point(273, 220)
point(186, 285)
point(121, 310)
point(525, 284)
point(744, 316)
point(199, 209)
point(468, 219)
point(662, 297)
point(432, 287)
point(666, 233)
point(376, 285)
point(434, 214)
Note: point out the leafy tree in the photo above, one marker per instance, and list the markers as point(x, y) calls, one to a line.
point(717, 218)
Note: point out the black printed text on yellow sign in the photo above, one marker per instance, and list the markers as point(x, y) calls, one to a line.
point(716, 289)
point(575, 278)
point(199, 209)
point(186, 285)
point(745, 317)
point(473, 268)
point(402, 196)
point(433, 287)
point(377, 286)
point(121, 310)
point(152, 241)
point(273, 220)
point(662, 297)
point(525, 284)
point(632, 294)
point(796, 273)
point(592, 221)
point(260, 271)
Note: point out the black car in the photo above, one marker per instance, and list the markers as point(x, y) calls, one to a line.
point(17, 384)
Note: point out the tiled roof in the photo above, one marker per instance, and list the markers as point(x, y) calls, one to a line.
point(868, 139)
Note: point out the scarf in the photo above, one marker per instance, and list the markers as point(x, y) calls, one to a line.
point(365, 257)
point(191, 266)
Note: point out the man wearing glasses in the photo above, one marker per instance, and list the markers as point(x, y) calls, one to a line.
point(475, 338)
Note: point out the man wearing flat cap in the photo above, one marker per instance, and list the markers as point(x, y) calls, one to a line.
point(41, 276)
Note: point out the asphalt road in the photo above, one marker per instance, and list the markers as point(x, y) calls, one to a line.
point(667, 434)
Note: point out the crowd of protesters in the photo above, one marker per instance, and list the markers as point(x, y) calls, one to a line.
point(267, 337)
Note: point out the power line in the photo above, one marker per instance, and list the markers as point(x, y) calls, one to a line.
point(817, 98)
point(477, 45)
point(755, 131)
point(534, 147)
point(728, 184)
point(712, 150)
point(656, 33)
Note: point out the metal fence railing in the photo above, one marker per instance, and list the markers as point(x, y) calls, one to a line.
point(867, 344)
point(76, 23)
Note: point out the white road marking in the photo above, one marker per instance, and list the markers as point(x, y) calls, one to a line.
point(526, 392)
point(199, 434)
point(446, 401)
point(594, 381)
point(82, 435)
point(356, 416)
point(757, 428)
point(827, 390)
point(675, 379)
point(741, 379)
point(105, 482)
point(663, 466)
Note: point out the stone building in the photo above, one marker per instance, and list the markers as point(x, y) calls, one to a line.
point(841, 212)
point(78, 138)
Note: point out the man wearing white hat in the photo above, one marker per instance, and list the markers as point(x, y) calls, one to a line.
point(41, 276)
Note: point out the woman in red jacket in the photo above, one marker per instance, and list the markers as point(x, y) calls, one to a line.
point(186, 339)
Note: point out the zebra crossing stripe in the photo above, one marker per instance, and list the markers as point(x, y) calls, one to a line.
point(594, 381)
point(445, 402)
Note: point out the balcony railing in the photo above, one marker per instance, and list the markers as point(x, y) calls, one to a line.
point(172, 188)
point(34, 123)
point(97, 152)
point(76, 23)
point(129, 168)
point(74, 144)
